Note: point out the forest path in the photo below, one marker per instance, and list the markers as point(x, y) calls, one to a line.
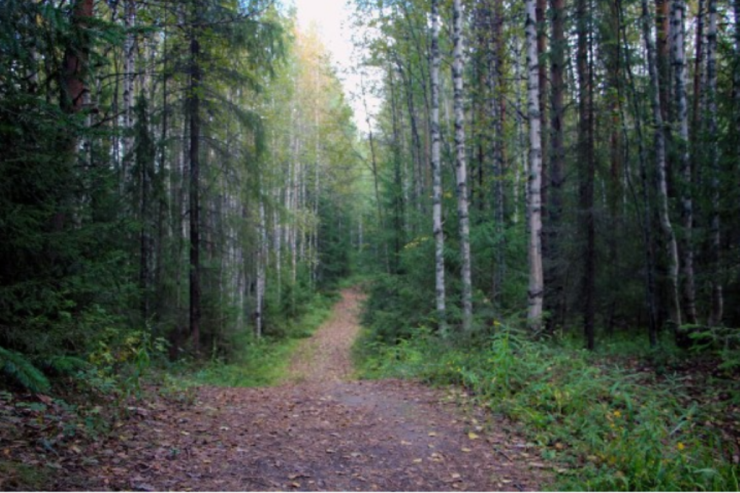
point(327, 356)
point(320, 432)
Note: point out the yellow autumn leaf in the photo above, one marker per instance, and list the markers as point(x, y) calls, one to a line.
point(472, 435)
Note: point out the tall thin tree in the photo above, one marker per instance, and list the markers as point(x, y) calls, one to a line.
point(461, 166)
point(534, 190)
point(439, 237)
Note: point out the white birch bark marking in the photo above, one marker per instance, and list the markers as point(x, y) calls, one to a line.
point(534, 191)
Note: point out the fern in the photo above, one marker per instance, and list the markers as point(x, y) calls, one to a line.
point(66, 365)
point(16, 367)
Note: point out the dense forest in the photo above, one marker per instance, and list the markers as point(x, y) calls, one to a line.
point(174, 170)
point(543, 208)
point(583, 158)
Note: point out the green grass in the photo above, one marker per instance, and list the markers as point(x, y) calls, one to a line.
point(16, 476)
point(262, 362)
point(603, 427)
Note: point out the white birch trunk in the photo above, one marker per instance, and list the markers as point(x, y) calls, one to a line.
point(461, 166)
point(278, 246)
point(534, 191)
point(660, 158)
point(261, 260)
point(678, 13)
point(439, 238)
point(129, 55)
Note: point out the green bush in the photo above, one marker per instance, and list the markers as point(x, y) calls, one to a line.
point(605, 428)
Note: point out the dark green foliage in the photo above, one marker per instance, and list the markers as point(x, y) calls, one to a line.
point(20, 371)
point(334, 244)
point(604, 428)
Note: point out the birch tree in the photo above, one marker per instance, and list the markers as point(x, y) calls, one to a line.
point(659, 145)
point(678, 13)
point(439, 239)
point(461, 166)
point(534, 191)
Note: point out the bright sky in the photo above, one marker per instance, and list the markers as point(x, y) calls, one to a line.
point(332, 17)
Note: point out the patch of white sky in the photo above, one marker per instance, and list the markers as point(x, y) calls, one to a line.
point(333, 21)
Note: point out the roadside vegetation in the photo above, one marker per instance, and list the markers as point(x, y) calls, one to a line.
point(624, 417)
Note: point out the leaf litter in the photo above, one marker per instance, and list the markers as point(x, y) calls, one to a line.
point(318, 431)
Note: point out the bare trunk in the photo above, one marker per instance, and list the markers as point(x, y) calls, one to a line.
point(74, 65)
point(660, 158)
point(678, 13)
point(497, 114)
point(586, 160)
point(261, 267)
point(461, 167)
point(715, 316)
point(662, 54)
point(554, 279)
point(439, 261)
point(129, 56)
point(534, 202)
point(194, 194)
point(540, 11)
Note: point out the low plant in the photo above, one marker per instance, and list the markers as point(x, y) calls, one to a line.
point(607, 428)
point(261, 361)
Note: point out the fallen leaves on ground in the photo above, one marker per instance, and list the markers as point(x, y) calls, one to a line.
point(319, 432)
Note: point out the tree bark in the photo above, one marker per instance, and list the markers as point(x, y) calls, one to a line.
point(194, 186)
point(717, 305)
point(660, 158)
point(534, 202)
point(554, 276)
point(261, 268)
point(129, 56)
point(586, 159)
point(541, 12)
point(461, 167)
point(498, 114)
point(678, 13)
point(437, 229)
point(74, 65)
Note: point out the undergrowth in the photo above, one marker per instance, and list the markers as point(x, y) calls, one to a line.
point(264, 361)
point(605, 427)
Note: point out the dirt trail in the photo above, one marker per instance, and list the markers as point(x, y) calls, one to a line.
point(320, 431)
point(326, 357)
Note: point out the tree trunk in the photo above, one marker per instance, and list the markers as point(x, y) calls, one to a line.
point(74, 65)
point(461, 167)
point(662, 55)
point(129, 56)
point(541, 13)
point(717, 306)
point(439, 237)
point(261, 267)
point(194, 189)
point(660, 158)
point(497, 115)
point(554, 277)
point(678, 13)
point(534, 197)
point(586, 160)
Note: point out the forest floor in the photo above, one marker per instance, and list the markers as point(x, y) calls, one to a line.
point(318, 430)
